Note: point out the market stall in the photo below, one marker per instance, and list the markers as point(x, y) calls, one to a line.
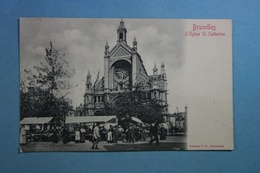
point(36, 127)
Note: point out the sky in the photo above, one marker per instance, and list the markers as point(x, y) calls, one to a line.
point(189, 68)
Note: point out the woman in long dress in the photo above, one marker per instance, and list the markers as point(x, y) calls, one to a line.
point(66, 135)
point(23, 136)
point(163, 133)
point(82, 135)
point(77, 135)
point(110, 135)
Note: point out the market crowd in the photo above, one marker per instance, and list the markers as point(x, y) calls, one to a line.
point(106, 132)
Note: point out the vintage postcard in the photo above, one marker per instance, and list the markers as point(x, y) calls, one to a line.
point(125, 84)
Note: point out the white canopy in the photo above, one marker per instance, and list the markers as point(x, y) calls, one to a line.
point(36, 120)
point(25, 127)
point(89, 119)
point(107, 125)
point(136, 120)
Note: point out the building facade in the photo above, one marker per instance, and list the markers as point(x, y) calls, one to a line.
point(123, 71)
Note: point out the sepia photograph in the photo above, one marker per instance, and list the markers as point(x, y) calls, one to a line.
point(125, 84)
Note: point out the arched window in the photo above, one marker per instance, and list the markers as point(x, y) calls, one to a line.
point(121, 36)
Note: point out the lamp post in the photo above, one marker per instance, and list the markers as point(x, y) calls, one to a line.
point(63, 111)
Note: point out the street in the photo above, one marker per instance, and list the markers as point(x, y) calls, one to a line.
point(171, 143)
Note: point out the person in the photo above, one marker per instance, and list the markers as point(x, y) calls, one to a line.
point(154, 133)
point(121, 135)
point(115, 134)
point(23, 136)
point(130, 134)
point(142, 134)
point(65, 135)
point(82, 135)
point(150, 131)
point(136, 134)
point(55, 136)
point(103, 133)
point(163, 133)
point(89, 133)
point(96, 137)
point(110, 135)
point(77, 135)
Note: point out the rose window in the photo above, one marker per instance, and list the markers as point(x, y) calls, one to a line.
point(121, 74)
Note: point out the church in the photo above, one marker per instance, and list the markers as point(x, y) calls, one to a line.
point(123, 71)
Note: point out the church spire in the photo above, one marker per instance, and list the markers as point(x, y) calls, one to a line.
point(162, 68)
point(88, 75)
point(121, 32)
point(163, 74)
point(135, 45)
point(88, 82)
point(106, 48)
point(155, 69)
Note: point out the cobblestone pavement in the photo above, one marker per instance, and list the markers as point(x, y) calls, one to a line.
point(172, 143)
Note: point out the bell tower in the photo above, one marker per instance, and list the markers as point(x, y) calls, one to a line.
point(121, 33)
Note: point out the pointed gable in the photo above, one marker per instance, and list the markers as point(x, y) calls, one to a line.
point(121, 52)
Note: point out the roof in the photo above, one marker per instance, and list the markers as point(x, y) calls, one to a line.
point(36, 120)
point(155, 76)
point(124, 46)
point(99, 84)
point(88, 119)
point(122, 25)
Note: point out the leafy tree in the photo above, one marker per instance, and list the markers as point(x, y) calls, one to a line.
point(43, 89)
point(136, 103)
point(54, 73)
point(37, 103)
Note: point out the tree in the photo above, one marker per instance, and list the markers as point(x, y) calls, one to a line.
point(47, 87)
point(54, 73)
point(136, 103)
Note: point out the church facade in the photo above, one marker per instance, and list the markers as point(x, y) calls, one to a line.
point(123, 71)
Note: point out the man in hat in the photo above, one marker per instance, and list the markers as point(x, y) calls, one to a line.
point(96, 137)
point(130, 133)
point(154, 133)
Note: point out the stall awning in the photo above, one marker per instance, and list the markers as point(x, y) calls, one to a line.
point(136, 120)
point(89, 119)
point(35, 120)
